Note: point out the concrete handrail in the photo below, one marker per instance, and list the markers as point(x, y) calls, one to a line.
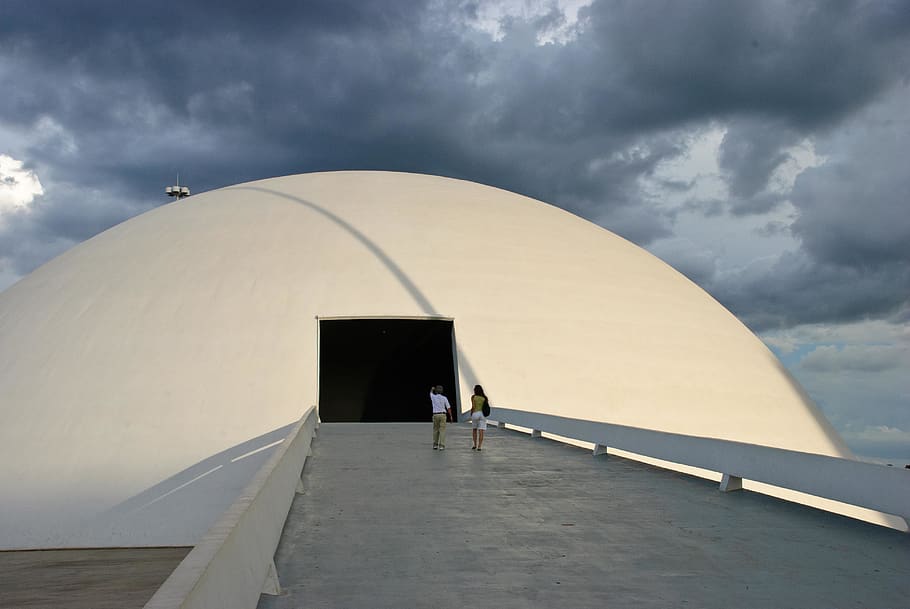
point(230, 566)
point(868, 485)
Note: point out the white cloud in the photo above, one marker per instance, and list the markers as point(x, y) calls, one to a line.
point(860, 358)
point(800, 157)
point(784, 343)
point(856, 333)
point(18, 186)
point(693, 189)
point(881, 442)
point(883, 431)
point(857, 373)
point(697, 168)
point(49, 132)
point(492, 14)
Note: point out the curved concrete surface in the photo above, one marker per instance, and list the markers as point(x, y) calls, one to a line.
point(192, 329)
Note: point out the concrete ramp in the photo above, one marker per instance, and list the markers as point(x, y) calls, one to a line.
point(385, 521)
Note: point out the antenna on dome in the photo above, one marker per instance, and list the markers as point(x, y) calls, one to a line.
point(177, 191)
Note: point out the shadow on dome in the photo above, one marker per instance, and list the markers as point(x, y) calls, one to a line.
point(185, 505)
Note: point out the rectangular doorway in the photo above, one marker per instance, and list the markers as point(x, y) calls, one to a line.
point(381, 370)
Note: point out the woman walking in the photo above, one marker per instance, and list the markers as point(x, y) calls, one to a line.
point(478, 421)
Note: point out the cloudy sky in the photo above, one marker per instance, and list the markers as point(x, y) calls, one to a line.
point(759, 147)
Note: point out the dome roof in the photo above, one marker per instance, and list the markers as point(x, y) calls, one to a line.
point(141, 359)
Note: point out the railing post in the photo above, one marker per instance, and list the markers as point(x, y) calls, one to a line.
point(731, 483)
point(535, 433)
point(599, 449)
point(271, 585)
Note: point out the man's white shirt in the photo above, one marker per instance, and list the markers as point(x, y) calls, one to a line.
point(440, 403)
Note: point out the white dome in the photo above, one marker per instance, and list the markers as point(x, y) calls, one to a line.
point(140, 360)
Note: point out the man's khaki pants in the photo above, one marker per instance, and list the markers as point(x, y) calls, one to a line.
point(439, 429)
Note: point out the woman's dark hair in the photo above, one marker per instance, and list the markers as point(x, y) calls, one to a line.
point(478, 390)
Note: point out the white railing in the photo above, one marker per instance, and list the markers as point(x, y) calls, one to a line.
point(234, 562)
point(868, 485)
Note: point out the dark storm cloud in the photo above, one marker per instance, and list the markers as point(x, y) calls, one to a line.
point(750, 152)
point(799, 289)
point(774, 72)
point(807, 63)
point(856, 213)
point(124, 94)
point(29, 238)
point(853, 222)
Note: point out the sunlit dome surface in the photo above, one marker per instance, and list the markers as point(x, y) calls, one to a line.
point(146, 373)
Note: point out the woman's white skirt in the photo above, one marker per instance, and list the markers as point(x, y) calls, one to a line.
point(478, 421)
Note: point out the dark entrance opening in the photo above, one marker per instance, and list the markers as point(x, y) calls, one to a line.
point(381, 370)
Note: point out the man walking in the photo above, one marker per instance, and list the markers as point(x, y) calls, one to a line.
point(441, 413)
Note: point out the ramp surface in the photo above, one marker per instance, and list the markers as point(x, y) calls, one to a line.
point(385, 521)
